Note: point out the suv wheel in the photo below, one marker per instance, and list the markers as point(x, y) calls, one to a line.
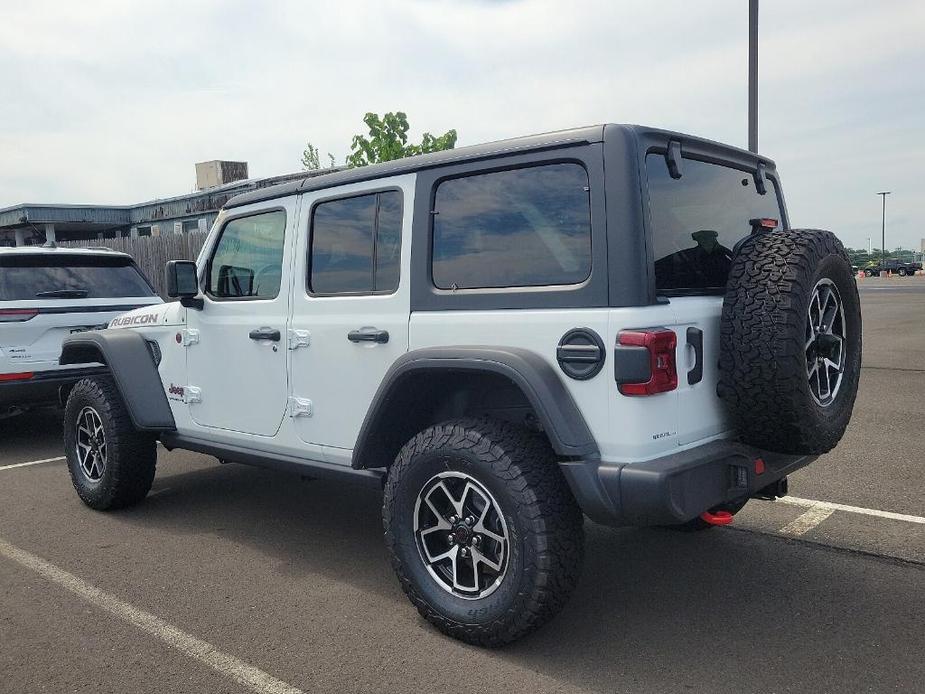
point(790, 343)
point(111, 463)
point(484, 533)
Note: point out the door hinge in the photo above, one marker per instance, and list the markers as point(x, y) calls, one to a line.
point(190, 336)
point(300, 407)
point(299, 338)
point(192, 394)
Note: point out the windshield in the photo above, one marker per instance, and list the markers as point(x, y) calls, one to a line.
point(63, 276)
point(698, 218)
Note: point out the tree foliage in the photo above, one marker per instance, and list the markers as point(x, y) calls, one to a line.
point(388, 140)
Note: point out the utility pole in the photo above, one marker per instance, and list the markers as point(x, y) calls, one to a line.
point(753, 76)
point(883, 228)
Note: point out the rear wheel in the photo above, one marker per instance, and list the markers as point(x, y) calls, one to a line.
point(111, 463)
point(902, 272)
point(485, 536)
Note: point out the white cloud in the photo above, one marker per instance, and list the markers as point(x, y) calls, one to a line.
point(113, 101)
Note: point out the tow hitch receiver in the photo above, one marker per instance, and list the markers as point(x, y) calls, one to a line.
point(717, 517)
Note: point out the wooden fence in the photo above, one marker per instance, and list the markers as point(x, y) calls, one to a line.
point(151, 252)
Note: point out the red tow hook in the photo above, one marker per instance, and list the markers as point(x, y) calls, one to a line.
point(718, 518)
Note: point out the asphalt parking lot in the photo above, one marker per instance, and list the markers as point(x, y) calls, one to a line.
point(229, 575)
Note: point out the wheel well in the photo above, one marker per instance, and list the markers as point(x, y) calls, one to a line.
point(427, 397)
point(82, 353)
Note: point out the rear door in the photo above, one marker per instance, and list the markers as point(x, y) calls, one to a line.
point(46, 296)
point(350, 307)
point(696, 221)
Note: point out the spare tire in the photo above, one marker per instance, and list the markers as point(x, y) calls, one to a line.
point(790, 345)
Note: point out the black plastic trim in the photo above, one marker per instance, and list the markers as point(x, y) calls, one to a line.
point(631, 364)
point(44, 386)
point(132, 367)
point(275, 461)
point(581, 354)
point(675, 488)
point(695, 340)
point(541, 385)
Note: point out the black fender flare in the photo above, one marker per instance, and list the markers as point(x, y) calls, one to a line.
point(132, 367)
point(537, 379)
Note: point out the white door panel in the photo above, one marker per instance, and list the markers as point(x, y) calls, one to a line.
point(701, 412)
point(339, 377)
point(243, 381)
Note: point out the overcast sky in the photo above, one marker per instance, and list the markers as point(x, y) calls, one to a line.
point(113, 102)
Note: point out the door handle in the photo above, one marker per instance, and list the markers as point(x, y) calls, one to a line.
point(695, 340)
point(369, 335)
point(265, 334)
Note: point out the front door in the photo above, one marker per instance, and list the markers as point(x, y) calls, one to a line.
point(350, 307)
point(237, 370)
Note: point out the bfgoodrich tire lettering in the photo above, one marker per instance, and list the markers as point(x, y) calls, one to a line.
point(771, 338)
point(542, 522)
point(126, 473)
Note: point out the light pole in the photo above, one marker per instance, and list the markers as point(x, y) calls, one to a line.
point(883, 228)
point(753, 76)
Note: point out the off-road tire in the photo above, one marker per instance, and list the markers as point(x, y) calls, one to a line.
point(763, 354)
point(902, 272)
point(131, 455)
point(544, 522)
point(698, 524)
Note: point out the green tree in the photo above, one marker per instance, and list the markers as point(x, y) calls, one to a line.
point(310, 159)
point(388, 140)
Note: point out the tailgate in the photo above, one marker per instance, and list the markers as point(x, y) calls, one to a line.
point(31, 337)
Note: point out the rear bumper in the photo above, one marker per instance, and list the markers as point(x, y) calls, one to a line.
point(43, 387)
point(675, 488)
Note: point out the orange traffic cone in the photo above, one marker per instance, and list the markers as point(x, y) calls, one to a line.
point(889, 274)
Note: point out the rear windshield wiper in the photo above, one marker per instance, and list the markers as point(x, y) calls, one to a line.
point(64, 294)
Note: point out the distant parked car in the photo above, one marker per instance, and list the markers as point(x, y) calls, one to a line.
point(47, 294)
point(896, 267)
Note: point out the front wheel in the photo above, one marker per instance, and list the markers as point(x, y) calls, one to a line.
point(902, 272)
point(484, 533)
point(111, 463)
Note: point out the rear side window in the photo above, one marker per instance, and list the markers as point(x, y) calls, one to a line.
point(518, 228)
point(356, 245)
point(69, 276)
point(248, 259)
point(697, 220)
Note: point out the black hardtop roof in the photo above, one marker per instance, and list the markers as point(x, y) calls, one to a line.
point(530, 143)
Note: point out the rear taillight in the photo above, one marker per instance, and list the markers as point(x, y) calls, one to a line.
point(656, 346)
point(17, 315)
point(23, 376)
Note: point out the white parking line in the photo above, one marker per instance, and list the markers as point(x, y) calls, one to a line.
point(806, 521)
point(811, 503)
point(32, 462)
point(202, 651)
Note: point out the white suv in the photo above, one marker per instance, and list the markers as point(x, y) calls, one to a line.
point(612, 320)
point(47, 294)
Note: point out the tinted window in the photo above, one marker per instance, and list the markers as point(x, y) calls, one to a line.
point(698, 218)
point(518, 228)
point(248, 260)
point(62, 276)
point(356, 244)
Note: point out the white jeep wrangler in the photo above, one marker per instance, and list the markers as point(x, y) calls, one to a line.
point(614, 320)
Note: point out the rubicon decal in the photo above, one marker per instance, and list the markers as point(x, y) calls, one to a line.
point(126, 321)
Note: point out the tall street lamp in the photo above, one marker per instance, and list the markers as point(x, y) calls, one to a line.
point(753, 76)
point(883, 228)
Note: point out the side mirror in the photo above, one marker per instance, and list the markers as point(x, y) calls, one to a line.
point(182, 282)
